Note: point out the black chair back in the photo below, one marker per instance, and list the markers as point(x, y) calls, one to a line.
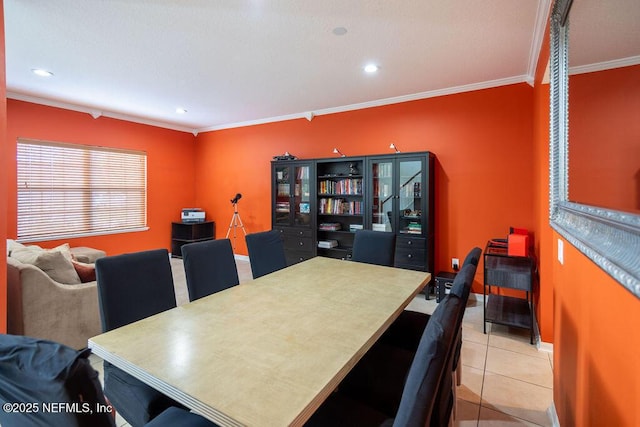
point(374, 247)
point(35, 372)
point(473, 257)
point(209, 267)
point(266, 252)
point(134, 286)
point(427, 397)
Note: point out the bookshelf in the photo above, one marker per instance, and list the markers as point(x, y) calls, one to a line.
point(340, 201)
point(319, 204)
point(293, 207)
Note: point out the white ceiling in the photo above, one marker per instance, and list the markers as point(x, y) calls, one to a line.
point(232, 62)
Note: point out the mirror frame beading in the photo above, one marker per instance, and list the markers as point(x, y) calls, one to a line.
point(610, 238)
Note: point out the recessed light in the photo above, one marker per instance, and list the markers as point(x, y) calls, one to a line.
point(42, 73)
point(371, 68)
point(181, 111)
point(339, 31)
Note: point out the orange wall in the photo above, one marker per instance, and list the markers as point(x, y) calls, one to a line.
point(597, 349)
point(3, 177)
point(605, 107)
point(170, 173)
point(589, 317)
point(484, 171)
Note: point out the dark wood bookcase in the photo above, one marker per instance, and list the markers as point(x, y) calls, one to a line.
point(319, 204)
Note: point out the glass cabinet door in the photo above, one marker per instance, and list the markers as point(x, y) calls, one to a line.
point(382, 192)
point(283, 196)
point(302, 196)
point(410, 197)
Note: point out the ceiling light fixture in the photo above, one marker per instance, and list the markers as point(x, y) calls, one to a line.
point(371, 68)
point(336, 151)
point(41, 72)
point(339, 31)
point(393, 147)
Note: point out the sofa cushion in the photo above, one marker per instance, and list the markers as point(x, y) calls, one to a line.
point(86, 272)
point(58, 267)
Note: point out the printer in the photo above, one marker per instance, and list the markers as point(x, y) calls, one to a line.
point(193, 215)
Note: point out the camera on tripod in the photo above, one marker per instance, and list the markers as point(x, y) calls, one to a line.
point(236, 198)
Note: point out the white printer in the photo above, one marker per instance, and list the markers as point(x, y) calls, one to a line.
point(193, 215)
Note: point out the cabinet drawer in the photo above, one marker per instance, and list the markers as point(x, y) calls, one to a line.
point(409, 257)
point(295, 232)
point(298, 243)
point(405, 242)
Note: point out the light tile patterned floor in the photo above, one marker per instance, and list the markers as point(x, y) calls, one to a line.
point(505, 380)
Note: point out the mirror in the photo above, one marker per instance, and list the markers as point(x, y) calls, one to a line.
point(604, 99)
point(599, 216)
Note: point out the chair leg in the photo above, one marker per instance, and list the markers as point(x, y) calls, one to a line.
point(458, 372)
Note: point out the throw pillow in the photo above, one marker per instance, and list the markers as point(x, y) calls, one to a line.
point(26, 254)
point(86, 272)
point(58, 267)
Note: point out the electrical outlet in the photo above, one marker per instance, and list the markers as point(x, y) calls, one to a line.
point(455, 264)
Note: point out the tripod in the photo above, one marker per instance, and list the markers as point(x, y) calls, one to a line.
point(235, 222)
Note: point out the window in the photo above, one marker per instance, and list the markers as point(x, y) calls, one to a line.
point(68, 190)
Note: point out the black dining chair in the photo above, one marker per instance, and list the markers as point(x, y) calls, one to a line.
point(393, 386)
point(132, 287)
point(42, 372)
point(266, 252)
point(374, 247)
point(209, 267)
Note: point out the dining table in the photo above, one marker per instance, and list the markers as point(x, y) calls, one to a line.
point(269, 351)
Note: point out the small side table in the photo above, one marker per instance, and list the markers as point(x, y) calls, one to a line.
point(444, 279)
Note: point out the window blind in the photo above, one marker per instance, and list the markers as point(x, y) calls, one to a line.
point(69, 190)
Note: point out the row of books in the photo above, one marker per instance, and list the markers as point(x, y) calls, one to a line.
point(344, 186)
point(340, 206)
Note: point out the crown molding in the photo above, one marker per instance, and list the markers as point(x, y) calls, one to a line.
point(606, 65)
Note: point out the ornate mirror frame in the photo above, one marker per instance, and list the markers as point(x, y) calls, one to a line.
point(609, 238)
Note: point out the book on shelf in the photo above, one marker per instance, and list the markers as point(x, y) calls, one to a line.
point(355, 227)
point(327, 244)
point(329, 226)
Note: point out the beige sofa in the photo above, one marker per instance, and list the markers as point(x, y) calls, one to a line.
point(41, 307)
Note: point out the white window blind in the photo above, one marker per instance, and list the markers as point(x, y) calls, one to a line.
point(68, 190)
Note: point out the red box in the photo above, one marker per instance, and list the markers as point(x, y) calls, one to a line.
point(518, 244)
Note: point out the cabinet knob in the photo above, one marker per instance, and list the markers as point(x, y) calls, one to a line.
point(301, 243)
point(409, 256)
point(409, 242)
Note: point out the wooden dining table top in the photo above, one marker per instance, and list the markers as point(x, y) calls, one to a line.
point(267, 352)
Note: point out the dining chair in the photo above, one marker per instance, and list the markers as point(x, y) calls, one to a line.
point(374, 247)
point(266, 252)
point(42, 372)
point(209, 267)
point(132, 287)
point(394, 386)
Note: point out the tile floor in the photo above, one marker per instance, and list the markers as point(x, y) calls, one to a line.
point(505, 380)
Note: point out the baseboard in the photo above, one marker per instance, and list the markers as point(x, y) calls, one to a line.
point(241, 257)
point(553, 415)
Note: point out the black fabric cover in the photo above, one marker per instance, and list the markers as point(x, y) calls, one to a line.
point(266, 252)
point(427, 397)
point(132, 287)
point(40, 372)
point(209, 267)
point(461, 286)
point(473, 257)
point(374, 247)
